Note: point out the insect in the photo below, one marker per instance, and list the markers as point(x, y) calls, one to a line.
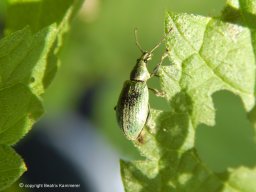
point(132, 109)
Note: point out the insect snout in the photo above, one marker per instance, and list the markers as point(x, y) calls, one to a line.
point(147, 56)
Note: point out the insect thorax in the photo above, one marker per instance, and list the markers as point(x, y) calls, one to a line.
point(140, 72)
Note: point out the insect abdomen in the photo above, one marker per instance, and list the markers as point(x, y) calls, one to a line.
point(132, 108)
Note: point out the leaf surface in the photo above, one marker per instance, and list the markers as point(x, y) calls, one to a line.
point(28, 62)
point(206, 55)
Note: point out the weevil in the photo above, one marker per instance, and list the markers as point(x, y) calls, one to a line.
point(132, 109)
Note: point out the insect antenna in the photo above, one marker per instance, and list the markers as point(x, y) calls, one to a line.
point(161, 41)
point(136, 40)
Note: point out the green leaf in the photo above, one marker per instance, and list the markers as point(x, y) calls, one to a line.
point(28, 53)
point(40, 13)
point(242, 179)
point(213, 56)
point(11, 166)
point(28, 62)
point(172, 163)
point(21, 56)
point(206, 55)
point(33, 14)
point(243, 13)
point(20, 108)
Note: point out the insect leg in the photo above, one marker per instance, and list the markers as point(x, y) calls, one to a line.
point(157, 92)
point(140, 139)
point(161, 41)
point(148, 114)
point(155, 70)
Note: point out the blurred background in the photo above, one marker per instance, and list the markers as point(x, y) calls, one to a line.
point(78, 141)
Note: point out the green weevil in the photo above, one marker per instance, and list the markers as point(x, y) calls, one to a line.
point(132, 109)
